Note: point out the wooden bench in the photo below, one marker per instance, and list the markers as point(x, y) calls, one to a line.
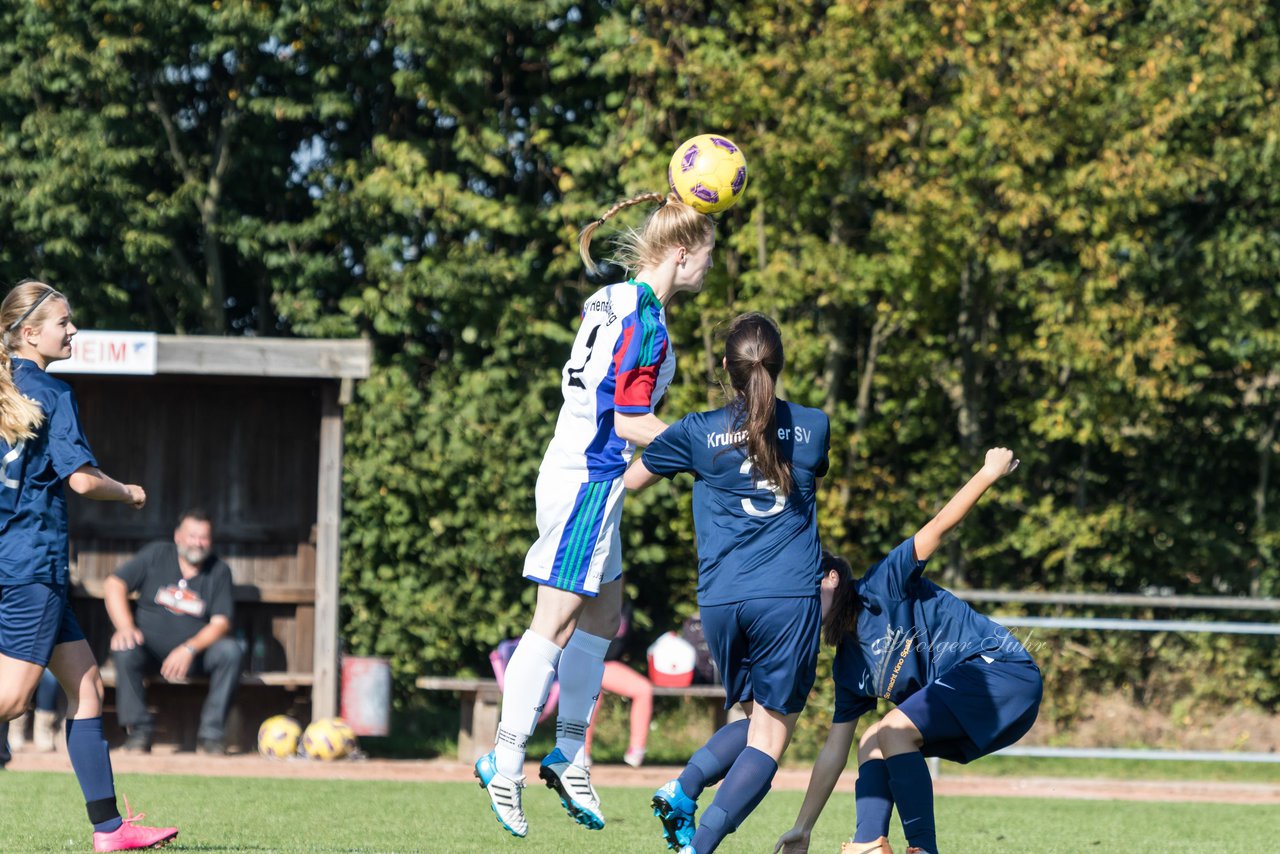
point(279, 679)
point(275, 615)
point(482, 707)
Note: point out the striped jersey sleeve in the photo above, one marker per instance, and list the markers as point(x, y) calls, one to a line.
point(638, 355)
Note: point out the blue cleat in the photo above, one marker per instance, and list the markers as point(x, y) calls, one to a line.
point(504, 795)
point(675, 810)
point(573, 784)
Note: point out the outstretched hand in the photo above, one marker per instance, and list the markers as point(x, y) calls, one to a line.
point(794, 841)
point(1000, 462)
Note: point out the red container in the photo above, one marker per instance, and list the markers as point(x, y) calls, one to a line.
point(366, 694)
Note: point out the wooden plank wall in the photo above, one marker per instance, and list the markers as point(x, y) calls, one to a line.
point(247, 451)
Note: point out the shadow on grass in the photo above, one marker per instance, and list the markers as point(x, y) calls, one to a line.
point(179, 845)
point(426, 727)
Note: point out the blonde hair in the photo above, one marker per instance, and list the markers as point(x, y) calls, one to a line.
point(28, 304)
point(673, 224)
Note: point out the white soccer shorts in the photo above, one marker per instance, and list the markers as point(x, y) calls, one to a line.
point(579, 546)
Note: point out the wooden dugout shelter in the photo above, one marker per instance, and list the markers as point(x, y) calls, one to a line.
point(250, 429)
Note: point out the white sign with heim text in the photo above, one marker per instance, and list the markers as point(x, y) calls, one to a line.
point(109, 353)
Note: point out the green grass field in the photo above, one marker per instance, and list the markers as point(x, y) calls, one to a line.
point(1116, 769)
point(680, 727)
point(44, 812)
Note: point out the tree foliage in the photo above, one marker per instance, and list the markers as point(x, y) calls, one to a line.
point(1046, 225)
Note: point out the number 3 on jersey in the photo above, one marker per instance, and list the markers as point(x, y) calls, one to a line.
point(749, 505)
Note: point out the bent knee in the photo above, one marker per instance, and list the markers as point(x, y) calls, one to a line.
point(869, 744)
point(87, 690)
point(12, 706)
point(603, 622)
point(134, 658)
point(896, 722)
point(224, 652)
point(898, 733)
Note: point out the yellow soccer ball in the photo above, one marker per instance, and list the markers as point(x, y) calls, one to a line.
point(278, 737)
point(345, 730)
point(708, 173)
point(328, 739)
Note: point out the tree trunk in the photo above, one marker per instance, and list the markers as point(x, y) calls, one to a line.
point(964, 398)
point(836, 364)
point(1260, 504)
point(967, 420)
point(215, 303)
point(881, 331)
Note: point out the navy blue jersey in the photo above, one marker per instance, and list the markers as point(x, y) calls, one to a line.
point(909, 632)
point(33, 506)
point(752, 542)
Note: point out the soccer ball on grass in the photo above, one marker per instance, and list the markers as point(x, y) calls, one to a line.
point(328, 739)
point(278, 737)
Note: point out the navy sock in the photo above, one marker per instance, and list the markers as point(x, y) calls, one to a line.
point(744, 787)
point(874, 801)
point(714, 759)
point(87, 750)
point(913, 793)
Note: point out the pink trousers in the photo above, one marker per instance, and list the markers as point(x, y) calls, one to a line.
point(622, 680)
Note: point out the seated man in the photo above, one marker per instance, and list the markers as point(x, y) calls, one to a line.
point(181, 629)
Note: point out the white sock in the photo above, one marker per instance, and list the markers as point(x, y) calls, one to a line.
point(527, 682)
point(581, 670)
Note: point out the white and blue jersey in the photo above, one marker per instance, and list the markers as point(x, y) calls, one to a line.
point(621, 361)
point(33, 505)
point(753, 542)
point(909, 632)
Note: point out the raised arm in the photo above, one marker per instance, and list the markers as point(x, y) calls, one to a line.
point(999, 462)
point(827, 769)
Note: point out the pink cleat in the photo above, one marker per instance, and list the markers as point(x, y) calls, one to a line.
point(130, 837)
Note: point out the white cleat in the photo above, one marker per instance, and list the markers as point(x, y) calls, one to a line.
point(504, 795)
point(573, 784)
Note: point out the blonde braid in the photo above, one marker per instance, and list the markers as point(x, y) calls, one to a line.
point(584, 238)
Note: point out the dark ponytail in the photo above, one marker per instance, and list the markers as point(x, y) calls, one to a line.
point(753, 357)
point(843, 615)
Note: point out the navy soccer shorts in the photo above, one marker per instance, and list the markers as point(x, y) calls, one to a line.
point(34, 618)
point(766, 649)
point(976, 708)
